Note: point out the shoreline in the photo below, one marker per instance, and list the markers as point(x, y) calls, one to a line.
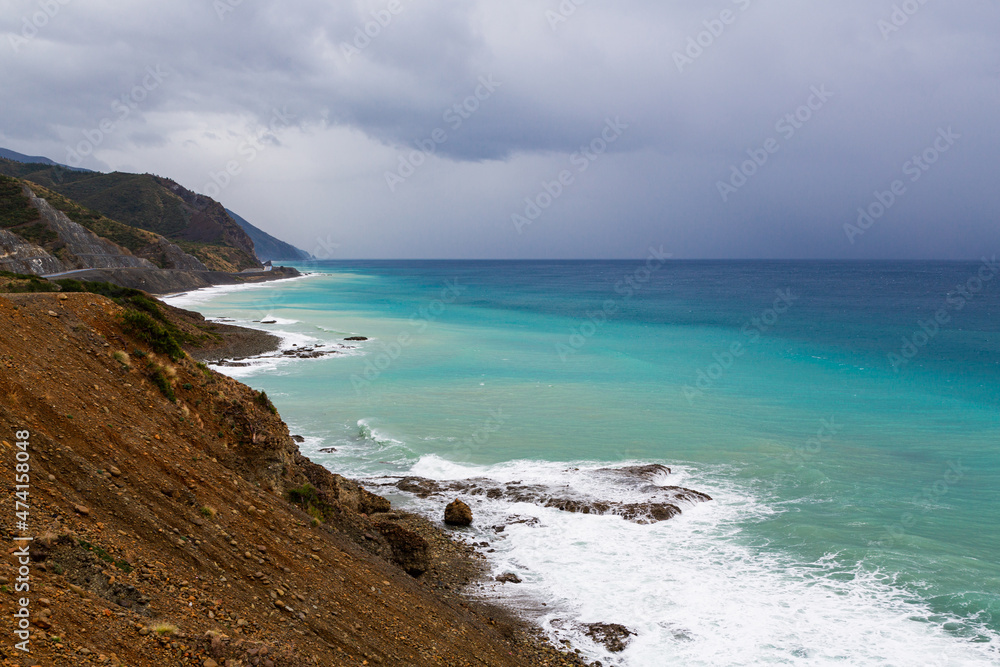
point(184, 520)
point(464, 567)
point(470, 559)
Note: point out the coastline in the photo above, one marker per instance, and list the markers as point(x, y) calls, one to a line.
point(163, 282)
point(187, 489)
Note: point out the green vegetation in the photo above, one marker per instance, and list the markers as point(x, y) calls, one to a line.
point(122, 358)
point(121, 564)
point(164, 629)
point(15, 208)
point(38, 233)
point(159, 378)
point(303, 495)
point(219, 256)
point(127, 237)
point(144, 327)
point(266, 402)
point(132, 209)
point(143, 318)
point(308, 498)
point(17, 283)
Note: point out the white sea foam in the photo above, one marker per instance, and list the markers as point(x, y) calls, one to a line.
point(272, 319)
point(204, 294)
point(278, 361)
point(691, 588)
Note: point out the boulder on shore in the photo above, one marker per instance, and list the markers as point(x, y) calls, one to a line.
point(458, 514)
point(613, 636)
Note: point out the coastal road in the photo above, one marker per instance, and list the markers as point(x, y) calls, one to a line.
point(65, 273)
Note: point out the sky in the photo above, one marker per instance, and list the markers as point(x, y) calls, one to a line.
point(535, 128)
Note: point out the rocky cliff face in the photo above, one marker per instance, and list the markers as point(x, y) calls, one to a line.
point(176, 522)
point(166, 255)
point(196, 223)
point(83, 249)
point(20, 256)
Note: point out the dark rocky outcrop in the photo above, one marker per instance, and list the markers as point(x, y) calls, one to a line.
point(458, 513)
point(662, 503)
point(409, 550)
point(167, 255)
point(82, 248)
point(613, 636)
point(20, 256)
point(508, 578)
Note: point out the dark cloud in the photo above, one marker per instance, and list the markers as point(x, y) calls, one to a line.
point(701, 87)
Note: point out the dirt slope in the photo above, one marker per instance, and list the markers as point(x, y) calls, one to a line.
point(163, 530)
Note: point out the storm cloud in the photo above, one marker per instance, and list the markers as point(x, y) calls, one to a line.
point(535, 128)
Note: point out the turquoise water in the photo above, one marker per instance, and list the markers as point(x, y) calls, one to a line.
point(849, 440)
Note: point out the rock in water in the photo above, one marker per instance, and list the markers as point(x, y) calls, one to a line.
point(615, 637)
point(458, 514)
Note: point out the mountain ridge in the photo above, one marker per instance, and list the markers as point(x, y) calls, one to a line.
point(267, 247)
point(199, 225)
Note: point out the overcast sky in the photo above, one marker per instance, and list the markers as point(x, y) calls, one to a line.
point(727, 128)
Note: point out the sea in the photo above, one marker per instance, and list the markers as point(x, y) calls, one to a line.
point(844, 417)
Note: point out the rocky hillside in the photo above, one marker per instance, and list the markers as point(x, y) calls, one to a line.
point(40, 238)
point(64, 236)
point(176, 522)
point(197, 224)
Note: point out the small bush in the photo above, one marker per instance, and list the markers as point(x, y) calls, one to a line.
point(15, 207)
point(163, 384)
point(122, 565)
point(207, 511)
point(164, 629)
point(266, 402)
point(123, 358)
point(142, 326)
point(304, 495)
